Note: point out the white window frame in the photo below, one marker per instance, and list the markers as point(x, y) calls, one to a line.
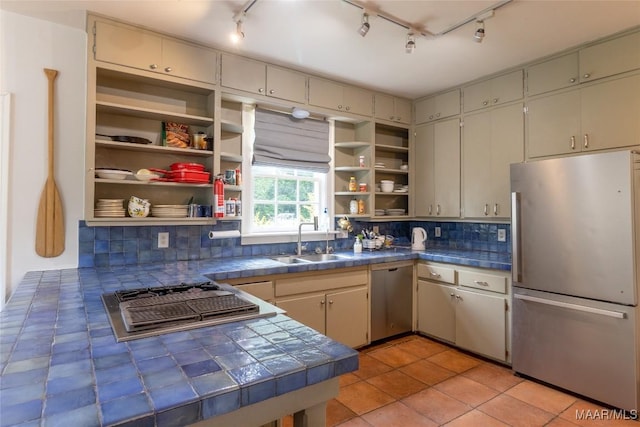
point(326, 196)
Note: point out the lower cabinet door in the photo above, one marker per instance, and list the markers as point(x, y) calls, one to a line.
point(481, 323)
point(308, 309)
point(347, 316)
point(436, 310)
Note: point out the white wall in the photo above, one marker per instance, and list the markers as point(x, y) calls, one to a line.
point(27, 46)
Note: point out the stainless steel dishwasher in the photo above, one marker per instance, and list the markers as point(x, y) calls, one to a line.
point(391, 302)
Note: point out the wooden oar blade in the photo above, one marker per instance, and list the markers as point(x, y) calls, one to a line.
point(50, 223)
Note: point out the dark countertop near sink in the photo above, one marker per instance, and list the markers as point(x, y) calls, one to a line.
point(60, 363)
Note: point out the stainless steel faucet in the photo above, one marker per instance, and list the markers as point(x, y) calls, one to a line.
point(315, 227)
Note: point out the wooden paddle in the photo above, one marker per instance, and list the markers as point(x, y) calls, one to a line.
point(50, 225)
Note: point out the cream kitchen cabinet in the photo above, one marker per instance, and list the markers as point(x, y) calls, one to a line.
point(610, 57)
point(599, 116)
point(468, 307)
point(334, 303)
point(553, 74)
point(391, 150)
point(335, 96)
point(262, 79)
point(393, 109)
point(133, 47)
point(437, 107)
point(491, 141)
point(263, 290)
point(437, 169)
point(495, 91)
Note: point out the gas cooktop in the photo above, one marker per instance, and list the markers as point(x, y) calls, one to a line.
point(142, 312)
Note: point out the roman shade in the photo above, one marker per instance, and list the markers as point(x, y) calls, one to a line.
point(283, 141)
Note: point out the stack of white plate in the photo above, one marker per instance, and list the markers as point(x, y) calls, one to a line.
point(169, 211)
point(379, 165)
point(395, 212)
point(379, 212)
point(109, 208)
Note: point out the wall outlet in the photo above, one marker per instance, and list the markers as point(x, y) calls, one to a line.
point(163, 240)
point(438, 232)
point(376, 229)
point(502, 235)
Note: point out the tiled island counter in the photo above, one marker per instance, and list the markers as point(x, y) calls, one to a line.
point(61, 364)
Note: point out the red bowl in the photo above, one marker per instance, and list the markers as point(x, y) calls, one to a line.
point(187, 166)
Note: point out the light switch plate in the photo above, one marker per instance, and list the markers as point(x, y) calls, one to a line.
point(163, 240)
point(502, 235)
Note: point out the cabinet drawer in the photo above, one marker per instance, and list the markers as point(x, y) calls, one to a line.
point(319, 283)
point(262, 290)
point(433, 272)
point(489, 282)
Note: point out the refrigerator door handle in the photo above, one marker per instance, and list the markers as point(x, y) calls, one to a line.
point(592, 310)
point(516, 275)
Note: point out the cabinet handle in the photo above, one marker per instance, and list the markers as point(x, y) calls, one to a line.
point(572, 80)
point(586, 76)
point(167, 69)
point(398, 119)
point(485, 102)
point(433, 274)
point(348, 108)
point(438, 115)
point(322, 302)
point(495, 100)
point(153, 66)
point(586, 140)
point(431, 117)
point(486, 209)
point(573, 142)
point(481, 283)
point(438, 209)
point(430, 209)
point(452, 294)
point(271, 92)
point(340, 107)
point(391, 117)
point(495, 209)
point(260, 90)
point(458, 297)
point(330, 301)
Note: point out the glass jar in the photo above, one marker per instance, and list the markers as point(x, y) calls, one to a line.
point(353, 207)
point(353, 186)
point(360, 206)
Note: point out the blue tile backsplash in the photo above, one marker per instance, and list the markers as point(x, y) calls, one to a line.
point(108, 246)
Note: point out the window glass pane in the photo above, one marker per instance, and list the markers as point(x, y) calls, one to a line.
point(264, 188)
point(263, 213)
point(308, 191)
point(307, 212)
point(287, 189)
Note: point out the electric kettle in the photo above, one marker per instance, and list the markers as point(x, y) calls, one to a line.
point(418, 237)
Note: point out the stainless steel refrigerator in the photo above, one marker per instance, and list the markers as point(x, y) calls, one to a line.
point(576, 249)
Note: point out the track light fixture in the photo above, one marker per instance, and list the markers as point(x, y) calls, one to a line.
point(479, 34)
point(411, 43)
point(238, 35)
point(365, 27)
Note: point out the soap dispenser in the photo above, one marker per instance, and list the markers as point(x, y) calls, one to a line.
point(357, 246)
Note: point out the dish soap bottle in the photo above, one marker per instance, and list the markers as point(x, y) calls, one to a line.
point(357, 246)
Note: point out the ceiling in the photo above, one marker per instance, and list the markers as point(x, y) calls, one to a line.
point(320, 36)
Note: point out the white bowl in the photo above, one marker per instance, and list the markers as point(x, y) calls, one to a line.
point(112, 173)
point(386, 186)
point(145, 175)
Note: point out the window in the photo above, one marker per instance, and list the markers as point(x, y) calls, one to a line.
point(281, 198)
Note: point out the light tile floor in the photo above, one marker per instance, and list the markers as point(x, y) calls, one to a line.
point(414, 381)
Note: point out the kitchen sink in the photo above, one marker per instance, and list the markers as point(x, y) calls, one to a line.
point(305, 259)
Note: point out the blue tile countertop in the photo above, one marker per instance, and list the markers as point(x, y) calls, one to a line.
point(61, 364)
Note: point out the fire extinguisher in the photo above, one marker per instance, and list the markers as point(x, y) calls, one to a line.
point(218, 197)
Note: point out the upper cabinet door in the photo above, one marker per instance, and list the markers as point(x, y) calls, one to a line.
point(189, 61)
point(243, 74)
point(553, 74)
point(610, 57)
point(498, 90)
point(358, 101)
point(384, 107)
point(553, 124)
point(285, 84)
point(402, 110)
point(128, 46)
point(438, 107)
point(324, 93)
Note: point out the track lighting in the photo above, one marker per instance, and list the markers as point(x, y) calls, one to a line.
point(365, 27)
point(479, 34)
point(411, 43)
point(238, 35)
